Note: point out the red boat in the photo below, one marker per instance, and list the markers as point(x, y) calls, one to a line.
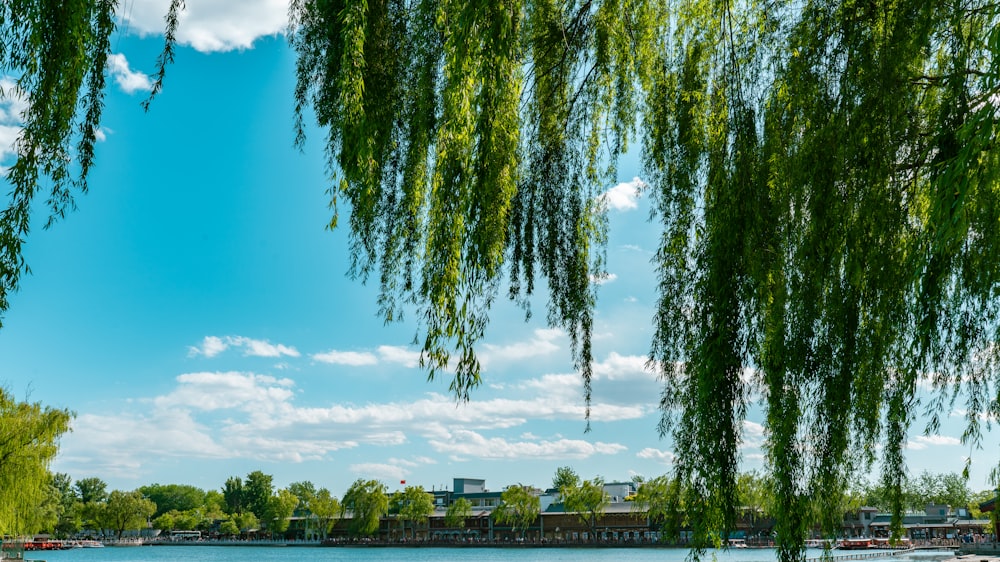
point(43, 544)
point(855, 544)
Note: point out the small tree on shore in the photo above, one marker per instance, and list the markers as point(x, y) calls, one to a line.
point(367, 502)
point(519, 507)
point(457, 513)
point(325, 507)
point(588, 501)
point(126, 511)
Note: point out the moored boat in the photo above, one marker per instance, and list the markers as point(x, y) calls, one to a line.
point(854, 544)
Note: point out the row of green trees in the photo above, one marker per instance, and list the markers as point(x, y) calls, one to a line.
point(253, 503)
point(669, 502)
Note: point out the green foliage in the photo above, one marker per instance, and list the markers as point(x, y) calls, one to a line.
point(662, 500)
point(29, 437)
point(564, 480)
point(519, 507)
point(229, 528)
point(280, 507)
point(367, 502)
point(246, 521)
point(46, 514)
point(326, 508)
point(756, 498)
point(91, 490)
point(588, 501)
point(457, 513)
point(125, 511)
point(173, 497)
point(164, 522)
point(414, 505)
point(232, 493)
point(422, 104)
point(257, 491)
point(825, 175)
point(215, 503)
point(305, 491)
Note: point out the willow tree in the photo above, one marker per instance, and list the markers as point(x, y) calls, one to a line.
point(824, 173)
point(367, 502)
point(29, 437)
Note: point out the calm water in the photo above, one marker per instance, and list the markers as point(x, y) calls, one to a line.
point(317, 554)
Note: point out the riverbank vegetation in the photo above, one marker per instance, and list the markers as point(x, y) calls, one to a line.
point(85, 506)
point(29, 438)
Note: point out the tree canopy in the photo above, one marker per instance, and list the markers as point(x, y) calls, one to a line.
point(457, 513)
point(588, 501)
point(824, 172)
point(413, 504)
point(367, 502)
point(29, 435)
point(519, 507)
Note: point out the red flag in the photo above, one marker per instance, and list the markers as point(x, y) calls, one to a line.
point(402, 481)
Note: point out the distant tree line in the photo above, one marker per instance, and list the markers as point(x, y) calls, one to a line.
point(671, 504)
point(252, 504)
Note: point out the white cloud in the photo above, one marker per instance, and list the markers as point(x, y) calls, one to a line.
point(986, 416)
point(399, 355)
point(230, 390)
point(666, 457)
point(379, 471)
point(633, 248)
point(623, 196)
point(98, 444)
point(923, 441)
point(210, 347)
point(753, 429)
point(352, 358)
point(13, 104)
point(463, 443)
point(212, 25)
point(412, 463)
point(262, 348)
point(385, 353)
point(128, 80)
point(623, 367)
point(543, 342)
point(253, 416)
point(753, 435)
point(214, 345)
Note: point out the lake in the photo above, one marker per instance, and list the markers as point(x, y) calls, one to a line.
point(337, 554)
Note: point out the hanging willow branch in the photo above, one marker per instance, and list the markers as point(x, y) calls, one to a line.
point(830, 217)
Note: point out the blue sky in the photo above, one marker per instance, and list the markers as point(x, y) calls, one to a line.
point(196, 314)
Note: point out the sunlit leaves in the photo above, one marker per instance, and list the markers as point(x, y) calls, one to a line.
point(29, 436)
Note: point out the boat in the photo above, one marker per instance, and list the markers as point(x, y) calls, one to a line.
point(46, 544)
point(819, 543)
point(737, 543)
point(885, 543)
point(854, 544)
